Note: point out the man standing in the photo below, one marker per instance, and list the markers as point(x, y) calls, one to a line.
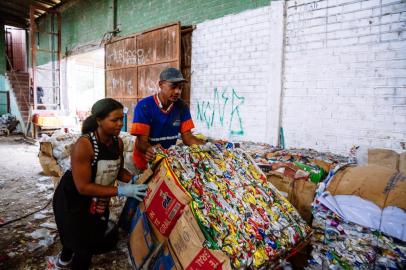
point(159, 119)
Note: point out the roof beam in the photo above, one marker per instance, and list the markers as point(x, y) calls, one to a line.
point(45, 2)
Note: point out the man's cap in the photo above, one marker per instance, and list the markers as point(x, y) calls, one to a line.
point(171, 74)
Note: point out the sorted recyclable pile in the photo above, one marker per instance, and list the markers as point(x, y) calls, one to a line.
point(359, 220)
point(294, 172)
point(238, 213)
point(305, 164)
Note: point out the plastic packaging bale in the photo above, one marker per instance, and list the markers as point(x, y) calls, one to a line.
point(402, 163)
point(164, 201)
point(141, 243)
point(396, 191)
point(383, 157)
point(187, 242)
point(372, 196)
point(128, 141)
point(129, 163)
point(371, 182)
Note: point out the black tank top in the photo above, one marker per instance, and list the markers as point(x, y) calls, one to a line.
point(105, 167)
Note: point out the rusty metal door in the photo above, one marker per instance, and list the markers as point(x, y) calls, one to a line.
point(133, 63)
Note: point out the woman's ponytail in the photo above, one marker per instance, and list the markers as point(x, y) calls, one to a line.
point(89, 125)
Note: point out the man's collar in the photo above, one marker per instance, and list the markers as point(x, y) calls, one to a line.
point(161, 106)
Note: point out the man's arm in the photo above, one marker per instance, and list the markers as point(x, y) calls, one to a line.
point(189, 139)
point(145, 147)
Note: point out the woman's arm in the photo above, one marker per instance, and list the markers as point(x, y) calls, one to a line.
point(81, 159)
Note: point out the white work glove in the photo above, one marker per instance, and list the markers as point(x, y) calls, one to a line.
point(136, 191)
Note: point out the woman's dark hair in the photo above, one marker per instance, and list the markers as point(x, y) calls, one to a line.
point(100, 110)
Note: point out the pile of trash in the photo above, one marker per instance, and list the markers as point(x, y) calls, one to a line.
point(7, 118)
point(297, 163)
point(359, 216)
point(8, 123)
point(55, 152)
point(128, 142)
point(237, 210)
point(61, 144)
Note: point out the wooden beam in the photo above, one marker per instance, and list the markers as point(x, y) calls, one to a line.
point(45, 2)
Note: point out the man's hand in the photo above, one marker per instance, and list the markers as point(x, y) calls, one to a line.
point(189, 139)
point(150, 153)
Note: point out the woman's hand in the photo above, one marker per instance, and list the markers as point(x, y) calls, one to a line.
point(136, 191)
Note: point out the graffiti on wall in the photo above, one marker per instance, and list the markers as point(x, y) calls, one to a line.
point(223, 110)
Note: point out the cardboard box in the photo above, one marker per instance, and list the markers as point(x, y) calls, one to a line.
point(49, 165)
point(302, 196)
point(140, 243)
point(165, 201)
point(186, 241)
point(380, 185)
point(402, 163)
point(162, 258)
point(300, 193)
point(383, 157)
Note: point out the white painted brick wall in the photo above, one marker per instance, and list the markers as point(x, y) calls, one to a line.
point(345, 74)
point(344, 80)
point(233, 55)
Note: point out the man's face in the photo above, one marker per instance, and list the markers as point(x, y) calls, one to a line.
point(171, 90)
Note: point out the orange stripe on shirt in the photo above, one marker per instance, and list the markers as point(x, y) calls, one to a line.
point(139, 159)
point(140, 129)
point(187, 126)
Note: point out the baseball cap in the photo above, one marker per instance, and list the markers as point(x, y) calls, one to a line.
point(171, 74)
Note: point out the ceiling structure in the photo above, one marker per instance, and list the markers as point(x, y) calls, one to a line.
point(17, 12)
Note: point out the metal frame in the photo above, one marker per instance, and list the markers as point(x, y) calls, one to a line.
point(56, 79)
point(9, 49)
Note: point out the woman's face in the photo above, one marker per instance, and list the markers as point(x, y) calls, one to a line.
point(112, 124)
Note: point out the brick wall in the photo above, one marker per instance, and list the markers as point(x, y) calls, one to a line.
point(345, 74)
point(230, 75)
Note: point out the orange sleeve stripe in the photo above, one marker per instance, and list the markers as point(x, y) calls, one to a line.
point(139, 159)
point(187, 126)
point(140, 129)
